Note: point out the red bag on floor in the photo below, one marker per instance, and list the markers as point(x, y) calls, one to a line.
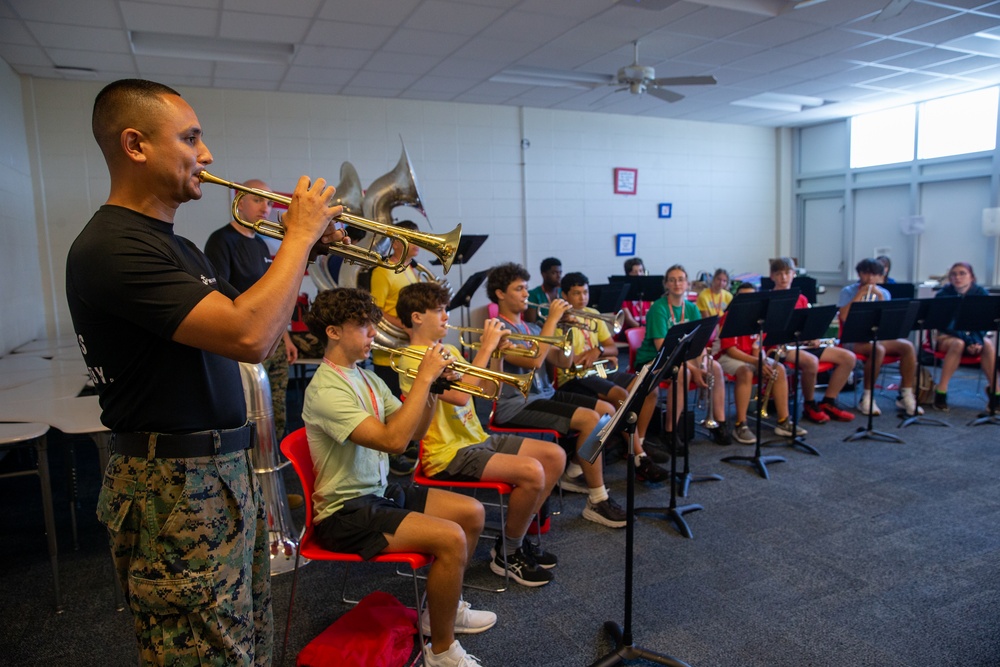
point(378, 632)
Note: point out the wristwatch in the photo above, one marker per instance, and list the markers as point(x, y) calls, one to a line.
point(600, 349)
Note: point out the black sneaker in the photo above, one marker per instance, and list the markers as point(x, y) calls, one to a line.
point(720, 435)
point(607, 513)
point(543, 559)
point(940, 401)
point(521, 569)
point(648, 471)
point(656, 449)
point(401, 464)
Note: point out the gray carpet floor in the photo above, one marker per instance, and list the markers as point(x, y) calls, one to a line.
point(872, 554)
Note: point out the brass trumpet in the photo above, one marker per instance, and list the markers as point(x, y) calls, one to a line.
point(522, 382)
point(770, 378)
point(614, 321)
point(563, 343)
point(444, 247)
point(601, 368)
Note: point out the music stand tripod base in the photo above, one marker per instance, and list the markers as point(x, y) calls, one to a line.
point(758, 462)
point(625, 652)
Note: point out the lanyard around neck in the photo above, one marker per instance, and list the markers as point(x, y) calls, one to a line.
point(371, 392)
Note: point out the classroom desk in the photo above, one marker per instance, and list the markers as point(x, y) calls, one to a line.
point(33, 434)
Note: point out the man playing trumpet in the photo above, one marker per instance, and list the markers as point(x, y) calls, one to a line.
point(456, 447)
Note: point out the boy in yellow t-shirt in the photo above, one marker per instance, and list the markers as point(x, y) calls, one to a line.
point(456, 447)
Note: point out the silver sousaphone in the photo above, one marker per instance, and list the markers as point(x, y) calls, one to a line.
point(395, 188)
point(282, 538)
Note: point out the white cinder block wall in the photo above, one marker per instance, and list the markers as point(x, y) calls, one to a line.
point(721, 179)
point(22, 304)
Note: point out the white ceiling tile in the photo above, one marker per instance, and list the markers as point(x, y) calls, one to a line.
point(99, 13)
point(376, 12)
point(956, 26)
point(451, 17)
point(53, 35)
point(300, 8)
point(243, 25)
point(423, 42)
point(13, 31)
point(23, 56)
point(165, 19)
point(347, 35)
point(397, 62)
point(326, 56)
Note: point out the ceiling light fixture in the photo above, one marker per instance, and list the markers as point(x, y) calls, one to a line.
point(780, 102)
point(210, 48)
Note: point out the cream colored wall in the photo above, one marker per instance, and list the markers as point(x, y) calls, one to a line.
point(22, 309)
point(468, 159)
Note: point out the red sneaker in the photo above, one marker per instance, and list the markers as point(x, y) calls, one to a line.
point(836, 413)
point(815, 414)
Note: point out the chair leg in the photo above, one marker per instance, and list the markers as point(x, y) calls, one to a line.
point(421, 658)
point(291, 605)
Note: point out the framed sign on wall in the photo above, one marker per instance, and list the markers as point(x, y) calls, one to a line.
point(625, 180)
point(625, 244)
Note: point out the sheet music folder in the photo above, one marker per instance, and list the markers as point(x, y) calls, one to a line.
point(467, 247)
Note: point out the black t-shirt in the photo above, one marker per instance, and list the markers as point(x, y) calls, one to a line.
point(240, 260)
point(130, 282)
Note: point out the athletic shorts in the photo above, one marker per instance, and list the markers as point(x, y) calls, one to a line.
point(597, 386)
point(730, 365)
point(360, 526)
point(552, 413)
point(470, 462)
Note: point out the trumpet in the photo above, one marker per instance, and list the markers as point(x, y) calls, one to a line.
point(601, 368)
point(562, 343)
point(614, 321)
point(522, 382)
point(769, 372)
point(444, 247)
point(706, 394)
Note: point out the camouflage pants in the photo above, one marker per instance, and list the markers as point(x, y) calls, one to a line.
point(189, 543)
point(277, 375)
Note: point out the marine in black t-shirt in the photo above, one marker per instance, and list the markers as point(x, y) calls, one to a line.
point(241, 260)
point(125, 316)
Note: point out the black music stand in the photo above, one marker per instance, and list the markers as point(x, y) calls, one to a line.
point(758, 313)
point(932, 313)
point(463, 297)
point(641, 288)
point(685, 478)
point(467, 247)
point(804, 324)
point(648, 379)
point(870, 322)
point(695, 335)
point(982, 313)
point(608, 298)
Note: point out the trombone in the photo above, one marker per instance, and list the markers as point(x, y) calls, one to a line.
point(522, 382)
point(614, 321)
point(444, 247)
point(562, 343)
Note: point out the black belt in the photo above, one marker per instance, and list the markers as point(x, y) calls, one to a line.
point(186, 445)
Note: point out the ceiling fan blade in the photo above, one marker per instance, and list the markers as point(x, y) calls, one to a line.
point(665, 95)
point(685, 81)
point(894, 8)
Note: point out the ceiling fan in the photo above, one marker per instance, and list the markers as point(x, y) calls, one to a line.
point(639, 79)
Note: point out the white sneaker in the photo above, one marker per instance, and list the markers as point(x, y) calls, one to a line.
point(468, 621)
point(865, 402)
point(908, 402)
point(455, 656)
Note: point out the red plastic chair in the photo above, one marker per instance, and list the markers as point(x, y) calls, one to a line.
point(502, 490)
point(295, 447)
point(525, 430)
point(967, 359)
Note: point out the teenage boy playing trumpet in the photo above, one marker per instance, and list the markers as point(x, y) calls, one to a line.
point(456, 447)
